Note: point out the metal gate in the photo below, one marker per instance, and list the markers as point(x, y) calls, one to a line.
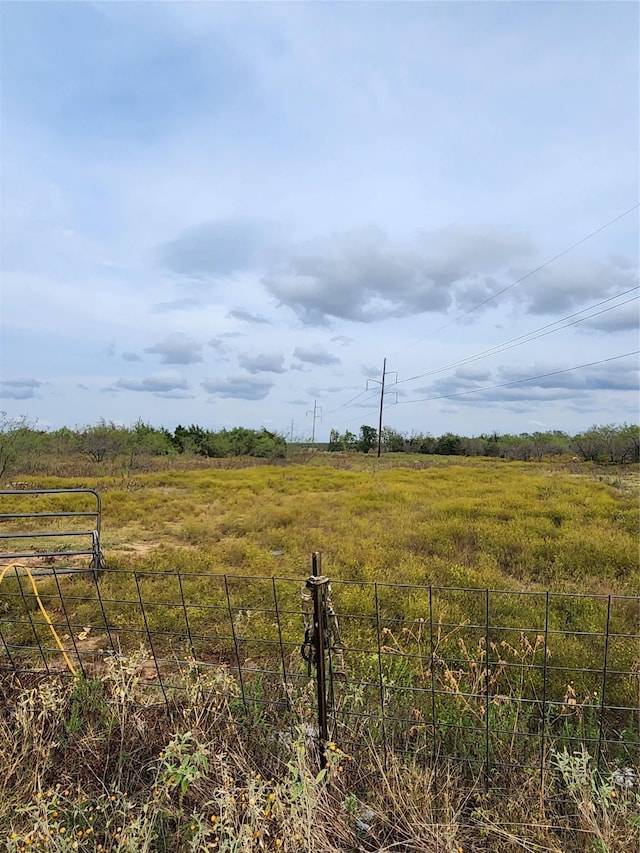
point(35, 539)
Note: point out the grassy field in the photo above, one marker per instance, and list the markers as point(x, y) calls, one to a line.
point(463, 523)
point(458, 526)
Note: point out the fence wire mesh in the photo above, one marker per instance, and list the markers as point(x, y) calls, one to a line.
point(492, 679)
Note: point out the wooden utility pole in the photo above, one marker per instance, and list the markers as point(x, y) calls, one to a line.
point(317, 415)
point(384, 372)
point(381, 383)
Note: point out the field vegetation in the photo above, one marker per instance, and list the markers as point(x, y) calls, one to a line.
point(96, 765)
point(412, 519)
point(458, 524)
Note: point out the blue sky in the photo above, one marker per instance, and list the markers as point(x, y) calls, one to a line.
point(220, 213)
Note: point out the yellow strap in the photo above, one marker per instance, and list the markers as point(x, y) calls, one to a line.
point(47, 618)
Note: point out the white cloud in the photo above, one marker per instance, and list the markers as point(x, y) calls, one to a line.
point(177, 349)
point(19, 389)
point(248, 317)
point(316, 354)
point(168, 380)
point(263, 363)
point(238, 387)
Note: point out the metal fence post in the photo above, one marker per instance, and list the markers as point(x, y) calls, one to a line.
point(317, 583)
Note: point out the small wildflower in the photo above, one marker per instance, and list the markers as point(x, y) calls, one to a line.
point(213, 818)
point(62, 830)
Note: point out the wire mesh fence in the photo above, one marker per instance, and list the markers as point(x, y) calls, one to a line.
point(492, 679)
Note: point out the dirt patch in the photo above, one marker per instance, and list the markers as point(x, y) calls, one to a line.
point(139, 548)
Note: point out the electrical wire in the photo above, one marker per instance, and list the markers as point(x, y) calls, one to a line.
point(530, 273)
point(531, 335)
point(499, 348)
point(527, 337)
point(357, 417)
point(519, 381)
point(348, 403)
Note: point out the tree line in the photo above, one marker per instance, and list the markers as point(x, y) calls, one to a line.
point(609, 443)
point(107, 441)
point(21, 441)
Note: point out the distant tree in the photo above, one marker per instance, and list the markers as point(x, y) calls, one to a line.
point(244, 442)
point(63, 441)
point(492, 444)
point(14, 440)
point(342, 441)
point(349, 440)
point(393, 440)
point(629, 438)
point(448, 445)
point(425, 443)
point(143, 440)
point(334, 441)
point(368, 438)
point(188, 439)
point(475, 447)
point(102, 441)
point(609, 443)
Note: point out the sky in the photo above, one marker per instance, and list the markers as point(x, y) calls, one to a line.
point(231, 213)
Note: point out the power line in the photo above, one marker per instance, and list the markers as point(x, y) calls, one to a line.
point(357, 417)
point(383, 392)
point(530, 273)
point(348, 403)
point(493, 387)
point(520, 381)
point(531, 335)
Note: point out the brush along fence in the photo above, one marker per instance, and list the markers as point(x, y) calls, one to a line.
point(493, 679)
